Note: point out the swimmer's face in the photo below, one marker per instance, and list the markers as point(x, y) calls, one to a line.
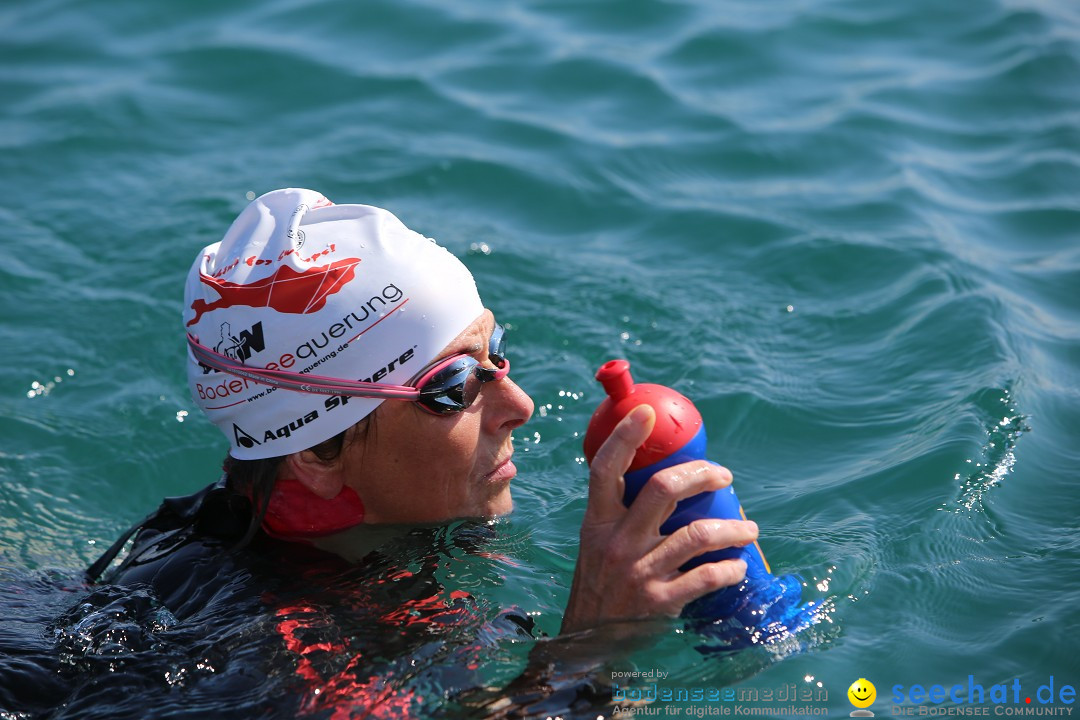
point(410, 466)
point(862, 693)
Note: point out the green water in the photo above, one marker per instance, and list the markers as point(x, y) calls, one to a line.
point(850, 231)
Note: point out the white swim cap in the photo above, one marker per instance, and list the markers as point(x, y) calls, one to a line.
point(304, 285)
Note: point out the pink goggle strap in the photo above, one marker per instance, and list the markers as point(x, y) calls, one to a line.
point(297, 381)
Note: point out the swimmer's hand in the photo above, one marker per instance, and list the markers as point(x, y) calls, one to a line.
point(626, 569)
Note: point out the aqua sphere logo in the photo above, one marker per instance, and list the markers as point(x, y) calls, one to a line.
point(1002, 699)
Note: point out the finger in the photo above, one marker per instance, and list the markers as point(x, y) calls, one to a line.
point(707, 578)
point(699, 537)
point(658, 498)
point(613, 458)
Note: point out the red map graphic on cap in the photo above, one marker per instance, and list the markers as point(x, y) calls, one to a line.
point(287, 290)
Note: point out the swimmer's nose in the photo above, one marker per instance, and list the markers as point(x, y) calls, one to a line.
point(509, 406)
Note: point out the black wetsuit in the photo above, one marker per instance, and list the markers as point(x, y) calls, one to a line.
point(281, 629)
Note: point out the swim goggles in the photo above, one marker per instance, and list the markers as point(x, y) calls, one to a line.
point(445, 386)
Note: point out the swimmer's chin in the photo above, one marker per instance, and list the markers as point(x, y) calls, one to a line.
point(499, 507)
point(355, 543)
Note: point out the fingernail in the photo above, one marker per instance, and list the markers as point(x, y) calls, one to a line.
point(640, 414)
point(752, 529)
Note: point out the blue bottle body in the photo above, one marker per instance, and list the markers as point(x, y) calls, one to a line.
point(763, 605)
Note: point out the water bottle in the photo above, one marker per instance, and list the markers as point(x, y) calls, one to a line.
point(763, 606)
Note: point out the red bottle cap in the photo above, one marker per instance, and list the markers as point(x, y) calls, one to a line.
point(677, 420)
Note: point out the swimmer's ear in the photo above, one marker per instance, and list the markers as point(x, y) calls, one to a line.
point(322, 478)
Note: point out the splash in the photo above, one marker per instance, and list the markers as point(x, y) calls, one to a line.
point(997, 457)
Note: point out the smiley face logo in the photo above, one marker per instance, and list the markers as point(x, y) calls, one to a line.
point(862, 693)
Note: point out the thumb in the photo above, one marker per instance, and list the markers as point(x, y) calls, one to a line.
point(612, 460)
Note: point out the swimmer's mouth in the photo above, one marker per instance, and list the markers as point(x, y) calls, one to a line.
point(504, 470)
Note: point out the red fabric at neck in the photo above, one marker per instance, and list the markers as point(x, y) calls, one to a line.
point(296, 512)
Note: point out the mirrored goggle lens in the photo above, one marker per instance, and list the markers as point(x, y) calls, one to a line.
point(497, 346)
point(452, 388)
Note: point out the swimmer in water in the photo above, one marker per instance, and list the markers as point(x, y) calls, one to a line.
point(360, 381)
